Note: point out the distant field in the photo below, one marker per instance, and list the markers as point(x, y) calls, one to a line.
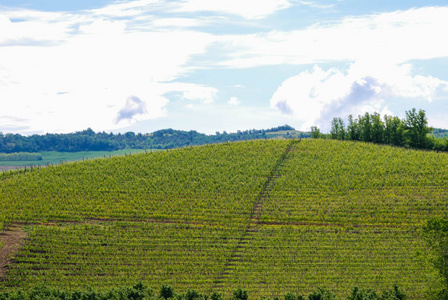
point(54, 157)
point(285, 134)
point(271, 216)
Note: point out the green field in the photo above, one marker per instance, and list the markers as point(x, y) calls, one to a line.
point(285, 134)
point(270, 216)
point(54, 157)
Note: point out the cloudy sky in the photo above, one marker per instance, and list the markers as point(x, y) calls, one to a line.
point(215, 65)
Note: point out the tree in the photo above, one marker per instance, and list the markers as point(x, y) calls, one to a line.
point(363, 294)
point(394, 294)
point(353, 129)
point(166, 291)
point(377, 129)
point(337, 129)
point(393, 131)
point(365, 125)
point(315, 132)
point(240, 294)
point(321, 294)
point(368, 294)
point(292, 296)
point(417, 128)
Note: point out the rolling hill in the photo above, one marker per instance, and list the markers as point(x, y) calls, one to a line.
point(271, 216)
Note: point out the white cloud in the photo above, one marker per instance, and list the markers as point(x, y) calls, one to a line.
point(201, 93)
point(234, 101)
point(316, 5)
point(102, 27)
point(51, 29)
point(178, 22)
point(250, 9)
point(395, 36)
point(133, 108)
point(193, 92)
point(127, 8)
point(88, 69)
point(316, 96)
point(66, 71)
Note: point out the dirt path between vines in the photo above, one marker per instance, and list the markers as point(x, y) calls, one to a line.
point(11, 241)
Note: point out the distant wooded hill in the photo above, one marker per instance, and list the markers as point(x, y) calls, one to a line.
point(88, 140)
point(440, 133)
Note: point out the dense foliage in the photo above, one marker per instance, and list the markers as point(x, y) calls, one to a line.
point(413, 131)
point(88, 140)
point(141, 292)
point(335, 213)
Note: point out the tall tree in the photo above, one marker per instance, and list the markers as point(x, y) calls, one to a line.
point(365, 125)
point(377, 128)
point(315, 132)
point(337, 129)
point(417, 128)
point(393, 131)
point(353, 130)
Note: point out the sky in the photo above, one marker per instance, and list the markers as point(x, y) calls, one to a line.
point(218, 65)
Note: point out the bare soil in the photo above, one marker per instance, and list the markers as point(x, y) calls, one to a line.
point(12, 240)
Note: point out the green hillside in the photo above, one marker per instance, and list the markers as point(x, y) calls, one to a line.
point(270, 216)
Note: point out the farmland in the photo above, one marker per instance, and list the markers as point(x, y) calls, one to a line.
point(54, 157)
point(269, 216)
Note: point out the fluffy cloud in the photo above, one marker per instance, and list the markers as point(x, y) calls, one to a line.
point(134, 107)
point(67, 71)
point(83, 68)
point(234, 101)
point(316, 96)
point(193, 92)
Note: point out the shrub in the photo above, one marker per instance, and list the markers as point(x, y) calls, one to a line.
point(394, 294)
point(216, 296)
point(321, 294)
point(192, 295)
point(166, 291)
point(363, 294)
point(240, 294)
point(292, 296)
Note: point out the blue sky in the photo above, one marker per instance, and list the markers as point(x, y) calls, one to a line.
point(217, 65)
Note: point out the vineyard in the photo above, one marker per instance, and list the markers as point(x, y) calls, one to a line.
point(272, 217)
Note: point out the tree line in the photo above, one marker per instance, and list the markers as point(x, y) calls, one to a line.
point(412, 131)
point(88, 140)
point(140, 292)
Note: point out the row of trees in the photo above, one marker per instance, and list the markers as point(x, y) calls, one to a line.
point(412, 131)
point(141, 292)
point(88, 140)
